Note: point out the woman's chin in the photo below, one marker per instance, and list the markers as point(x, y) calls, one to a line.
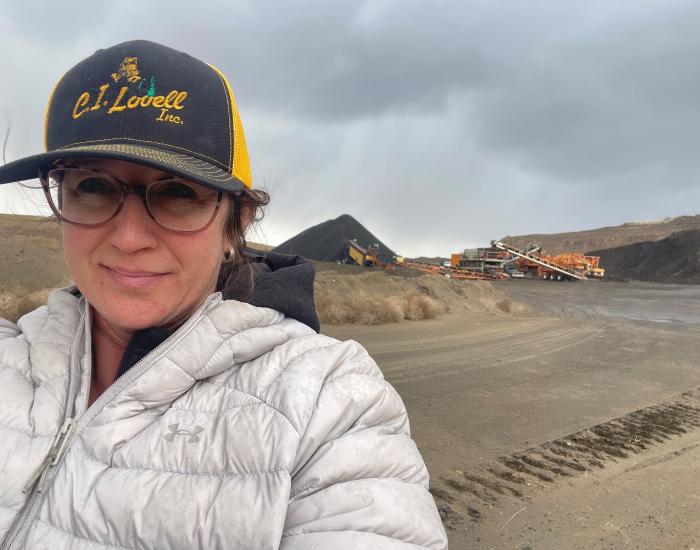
point(132, 315)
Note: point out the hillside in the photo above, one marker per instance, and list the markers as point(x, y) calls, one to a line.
point(326, 241)
point(675, 259)
point(607, 237)
point(31, 252)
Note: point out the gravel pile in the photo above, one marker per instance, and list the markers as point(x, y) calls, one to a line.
point(675, 259)
point(326, 241)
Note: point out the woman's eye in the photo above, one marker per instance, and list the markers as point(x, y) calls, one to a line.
point(95, 185)
point(176, 190)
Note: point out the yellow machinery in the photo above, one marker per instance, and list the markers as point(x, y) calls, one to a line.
point(361, 256)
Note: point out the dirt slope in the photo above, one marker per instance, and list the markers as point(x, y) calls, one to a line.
point(31, 253)
point(675, 259)
point(376, 297)
point(608, 237)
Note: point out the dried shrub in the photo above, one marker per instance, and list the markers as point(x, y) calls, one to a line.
point(17, 301)
point(419, 306)
point(333, 308)
point(397, 304)
point(504, 305)
point(366, 309)
point(374, 310)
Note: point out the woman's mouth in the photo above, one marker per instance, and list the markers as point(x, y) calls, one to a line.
point(133, 278)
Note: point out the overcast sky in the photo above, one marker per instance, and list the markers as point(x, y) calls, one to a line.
point(438, 125)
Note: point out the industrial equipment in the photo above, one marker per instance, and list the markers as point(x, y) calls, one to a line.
point(561, 267)
point(367, 257)
point(450, 272)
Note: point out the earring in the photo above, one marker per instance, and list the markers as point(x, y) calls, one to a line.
point(228, 255)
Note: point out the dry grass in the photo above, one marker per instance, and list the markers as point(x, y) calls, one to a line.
point(419, 306)
point(15, 301)
point(365, 309)
point(379, 297)
point(504, 305)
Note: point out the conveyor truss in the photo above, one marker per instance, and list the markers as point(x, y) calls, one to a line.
point(451, 272)
point(531, 257)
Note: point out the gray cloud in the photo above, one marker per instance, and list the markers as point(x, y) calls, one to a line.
point(620, 99)
point(437, 124)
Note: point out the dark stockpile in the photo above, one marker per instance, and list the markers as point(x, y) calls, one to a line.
point(326, 241)
point(675, 259)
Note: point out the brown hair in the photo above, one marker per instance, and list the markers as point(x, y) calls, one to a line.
point(236, 273)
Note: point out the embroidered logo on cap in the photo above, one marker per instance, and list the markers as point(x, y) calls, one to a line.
point(117, 101)
point(128, 70)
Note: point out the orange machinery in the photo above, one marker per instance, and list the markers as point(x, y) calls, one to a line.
point(450, 272)
point(587, 266)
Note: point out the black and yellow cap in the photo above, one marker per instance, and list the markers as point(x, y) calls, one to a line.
point(146, 103)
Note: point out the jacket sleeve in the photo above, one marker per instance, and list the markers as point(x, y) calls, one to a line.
point(8, 329)
point(359, 481)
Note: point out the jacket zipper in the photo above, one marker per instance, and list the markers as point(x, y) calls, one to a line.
point(71, 428)
point(55, 452)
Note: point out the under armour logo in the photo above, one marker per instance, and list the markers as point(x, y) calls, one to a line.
point(175, 431)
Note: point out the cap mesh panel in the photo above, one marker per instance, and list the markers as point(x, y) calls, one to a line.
point(241, 162)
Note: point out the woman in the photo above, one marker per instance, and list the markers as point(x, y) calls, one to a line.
point(143, 409)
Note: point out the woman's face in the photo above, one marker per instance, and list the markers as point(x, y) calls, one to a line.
point(136, 274)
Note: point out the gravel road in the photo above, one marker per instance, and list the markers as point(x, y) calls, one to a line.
point(576, 427)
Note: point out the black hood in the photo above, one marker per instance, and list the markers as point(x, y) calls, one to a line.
point(281, 282)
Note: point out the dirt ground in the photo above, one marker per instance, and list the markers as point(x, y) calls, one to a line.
point(31, 252)
point(576, 427)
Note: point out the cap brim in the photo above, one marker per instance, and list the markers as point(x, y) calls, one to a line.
point(174, 163)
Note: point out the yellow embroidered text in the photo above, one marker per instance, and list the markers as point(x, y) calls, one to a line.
point(163, 103)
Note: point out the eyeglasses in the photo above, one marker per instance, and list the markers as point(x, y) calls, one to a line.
point(86, 197)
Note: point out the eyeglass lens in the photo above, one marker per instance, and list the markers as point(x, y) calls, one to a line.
point(87, 197)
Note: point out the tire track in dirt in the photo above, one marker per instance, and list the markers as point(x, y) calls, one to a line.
point(469, 493)
point(496, 344)
point(456, 341)
point(510, 348)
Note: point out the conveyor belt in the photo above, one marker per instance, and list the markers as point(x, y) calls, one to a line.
point(537, 260)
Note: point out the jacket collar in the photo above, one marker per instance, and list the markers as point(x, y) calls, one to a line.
point(281, 282)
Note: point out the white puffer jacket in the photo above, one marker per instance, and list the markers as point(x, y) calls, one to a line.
point(244, 429)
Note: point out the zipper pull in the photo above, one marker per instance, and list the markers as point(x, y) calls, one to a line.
point(55, 454)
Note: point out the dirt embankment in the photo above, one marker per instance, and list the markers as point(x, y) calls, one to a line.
point(377, 297)
point(369, 298)
point(31, 254)
point(607, 237)
point(675, 259)
point(31, 261)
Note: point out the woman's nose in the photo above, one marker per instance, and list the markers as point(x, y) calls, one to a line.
point(133, 229)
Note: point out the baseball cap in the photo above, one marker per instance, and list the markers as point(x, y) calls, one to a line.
point(146, 103)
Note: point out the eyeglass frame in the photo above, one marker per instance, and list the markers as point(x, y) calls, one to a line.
point(126, 189)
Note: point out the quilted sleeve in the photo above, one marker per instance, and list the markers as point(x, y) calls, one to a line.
point(8, 329)
point(359, 481)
